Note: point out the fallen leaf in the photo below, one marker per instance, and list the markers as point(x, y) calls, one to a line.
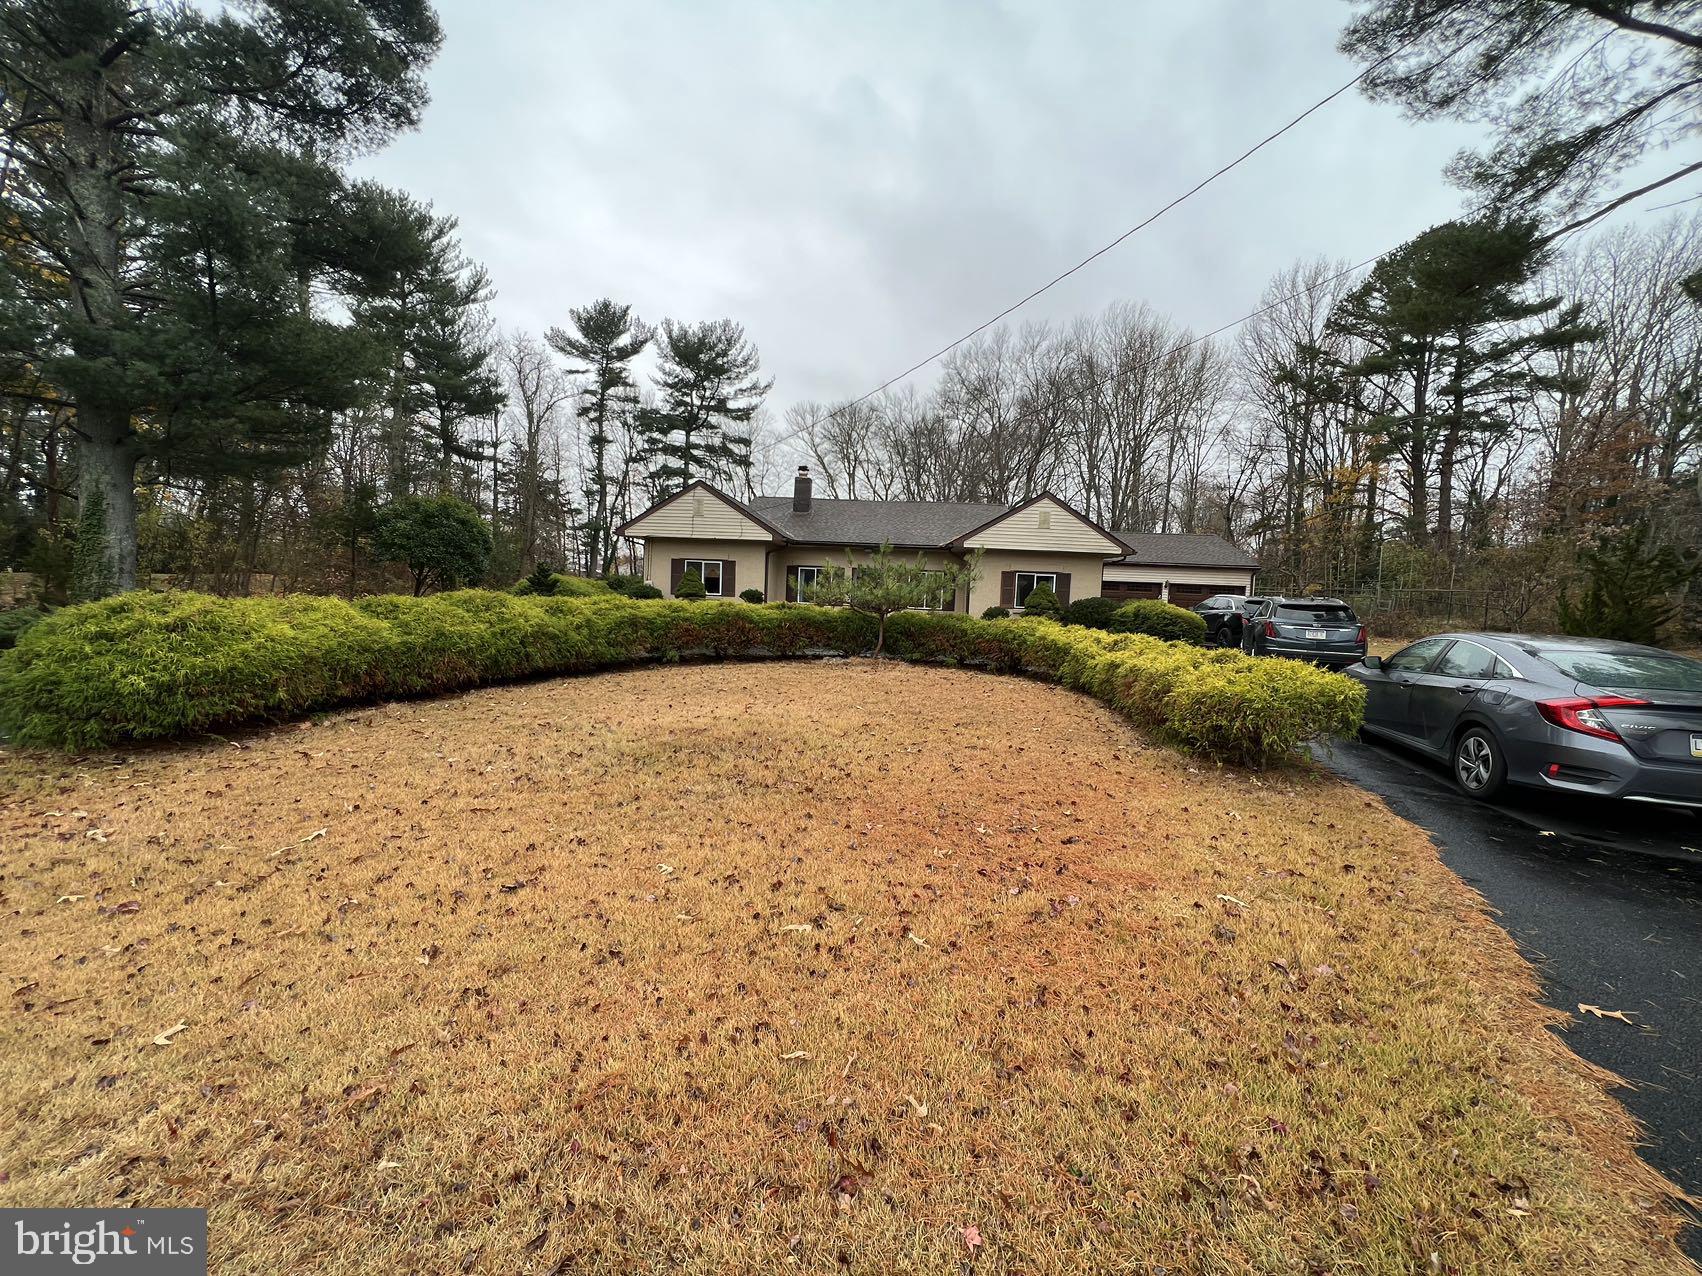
point(69, 899)
point(796, 1054)
point(796, 926)
point(972, 1237)
point(1230, 899)
point(164, 1039)
point(916, 939)
point(1586, 1009)
point(315, 834)
point(920, 1107)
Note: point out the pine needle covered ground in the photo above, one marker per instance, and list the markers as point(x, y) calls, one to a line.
point(815, 967)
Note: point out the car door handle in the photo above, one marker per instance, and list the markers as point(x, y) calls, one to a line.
point(1469, 689)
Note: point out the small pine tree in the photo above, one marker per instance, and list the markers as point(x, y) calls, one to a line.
point(883, 584)
point(691, 588)
point(542, 580)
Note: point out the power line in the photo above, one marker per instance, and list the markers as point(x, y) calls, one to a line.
point(1137, 227)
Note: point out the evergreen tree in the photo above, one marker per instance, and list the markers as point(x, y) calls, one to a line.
point(1453, 340)
point(606, 338)
point(442, 540)
point(429, 320)
point(708, 383)
point(171, 212)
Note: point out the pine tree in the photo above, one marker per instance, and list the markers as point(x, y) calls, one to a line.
point(173, 213)
point(1453, 338)
point(708, 382)
point(430, 322)
point(607, 337)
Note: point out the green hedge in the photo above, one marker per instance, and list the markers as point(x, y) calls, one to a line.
point(1223, 704)
point(145, 666)
point(1159, 620)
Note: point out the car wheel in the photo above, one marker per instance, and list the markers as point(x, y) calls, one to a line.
point(1479, 768)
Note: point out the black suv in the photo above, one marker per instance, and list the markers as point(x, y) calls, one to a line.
point(1322, 630)
point(1224, 614)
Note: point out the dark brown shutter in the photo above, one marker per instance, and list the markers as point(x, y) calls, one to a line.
point(729, 579)
point(676, 573)
point(791, 584)
point(1007, 589)
point(1063, 590)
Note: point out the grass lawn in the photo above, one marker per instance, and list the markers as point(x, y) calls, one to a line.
point(822, 967)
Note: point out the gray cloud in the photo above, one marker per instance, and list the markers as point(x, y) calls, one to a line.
point(860, 183)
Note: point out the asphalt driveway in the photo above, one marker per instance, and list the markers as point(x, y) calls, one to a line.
point(1605, 899)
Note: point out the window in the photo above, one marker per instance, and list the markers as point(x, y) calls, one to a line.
point(1028, 582)
point(940, 597)
point(1334, 613)
point(803, 579)
point(708, 571)
point(1626, 670)
point(1468, 660)
point(1416, 658)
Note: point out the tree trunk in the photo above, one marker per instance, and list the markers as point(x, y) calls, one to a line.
point(107, 463)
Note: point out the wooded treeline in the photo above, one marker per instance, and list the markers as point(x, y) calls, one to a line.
point(1476, 413)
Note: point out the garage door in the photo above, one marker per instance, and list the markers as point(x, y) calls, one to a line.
point(1125, 591)
point(1189, 595)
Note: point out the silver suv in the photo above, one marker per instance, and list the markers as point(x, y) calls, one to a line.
point(1322, 630)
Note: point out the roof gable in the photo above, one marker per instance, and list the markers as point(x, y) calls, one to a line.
point(1046, 524)
point(702, 512)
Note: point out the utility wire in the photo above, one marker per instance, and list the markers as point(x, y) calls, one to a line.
point(1136, 228)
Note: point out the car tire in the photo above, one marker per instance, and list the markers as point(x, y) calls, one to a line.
point(1478, 765)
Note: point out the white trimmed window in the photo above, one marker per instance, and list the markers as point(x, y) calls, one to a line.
point(1028, 582)
point(708, 571)
point(802, 580)
point(940, 596)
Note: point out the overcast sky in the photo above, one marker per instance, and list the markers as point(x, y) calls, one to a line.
point(860, 182)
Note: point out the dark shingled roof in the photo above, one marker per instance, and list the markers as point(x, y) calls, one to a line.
point(929, 524)
point(1183, 549)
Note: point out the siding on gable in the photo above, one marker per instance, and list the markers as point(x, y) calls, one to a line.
point(1066, 533)
point(698, 514)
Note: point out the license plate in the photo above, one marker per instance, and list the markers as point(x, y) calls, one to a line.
point(1316, 633)
point(1696, 746)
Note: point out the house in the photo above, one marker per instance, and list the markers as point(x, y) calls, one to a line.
point(781, 544)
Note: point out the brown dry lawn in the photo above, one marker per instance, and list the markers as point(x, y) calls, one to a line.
point(819, 967)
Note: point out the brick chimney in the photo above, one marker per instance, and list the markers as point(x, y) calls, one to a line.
point(802, 487)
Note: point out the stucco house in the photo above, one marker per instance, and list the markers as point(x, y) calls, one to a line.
point(780, 543)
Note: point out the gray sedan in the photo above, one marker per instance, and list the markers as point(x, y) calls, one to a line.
point(1581, 715)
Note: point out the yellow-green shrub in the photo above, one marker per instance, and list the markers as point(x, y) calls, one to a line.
point(144, 666)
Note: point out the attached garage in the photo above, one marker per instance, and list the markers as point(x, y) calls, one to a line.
point(1182, 568)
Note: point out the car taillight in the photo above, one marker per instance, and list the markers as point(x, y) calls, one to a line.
point(1364, 636)
point(1580, 713)
point(1270, 629)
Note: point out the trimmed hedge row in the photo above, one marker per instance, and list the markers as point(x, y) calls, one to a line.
point(144, 666)
point(1225, 705)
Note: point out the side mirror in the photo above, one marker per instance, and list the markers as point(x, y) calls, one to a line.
point(1372, 662)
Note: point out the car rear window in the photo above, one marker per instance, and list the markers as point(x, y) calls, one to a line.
point(1627, 671)
point(1301, 611)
